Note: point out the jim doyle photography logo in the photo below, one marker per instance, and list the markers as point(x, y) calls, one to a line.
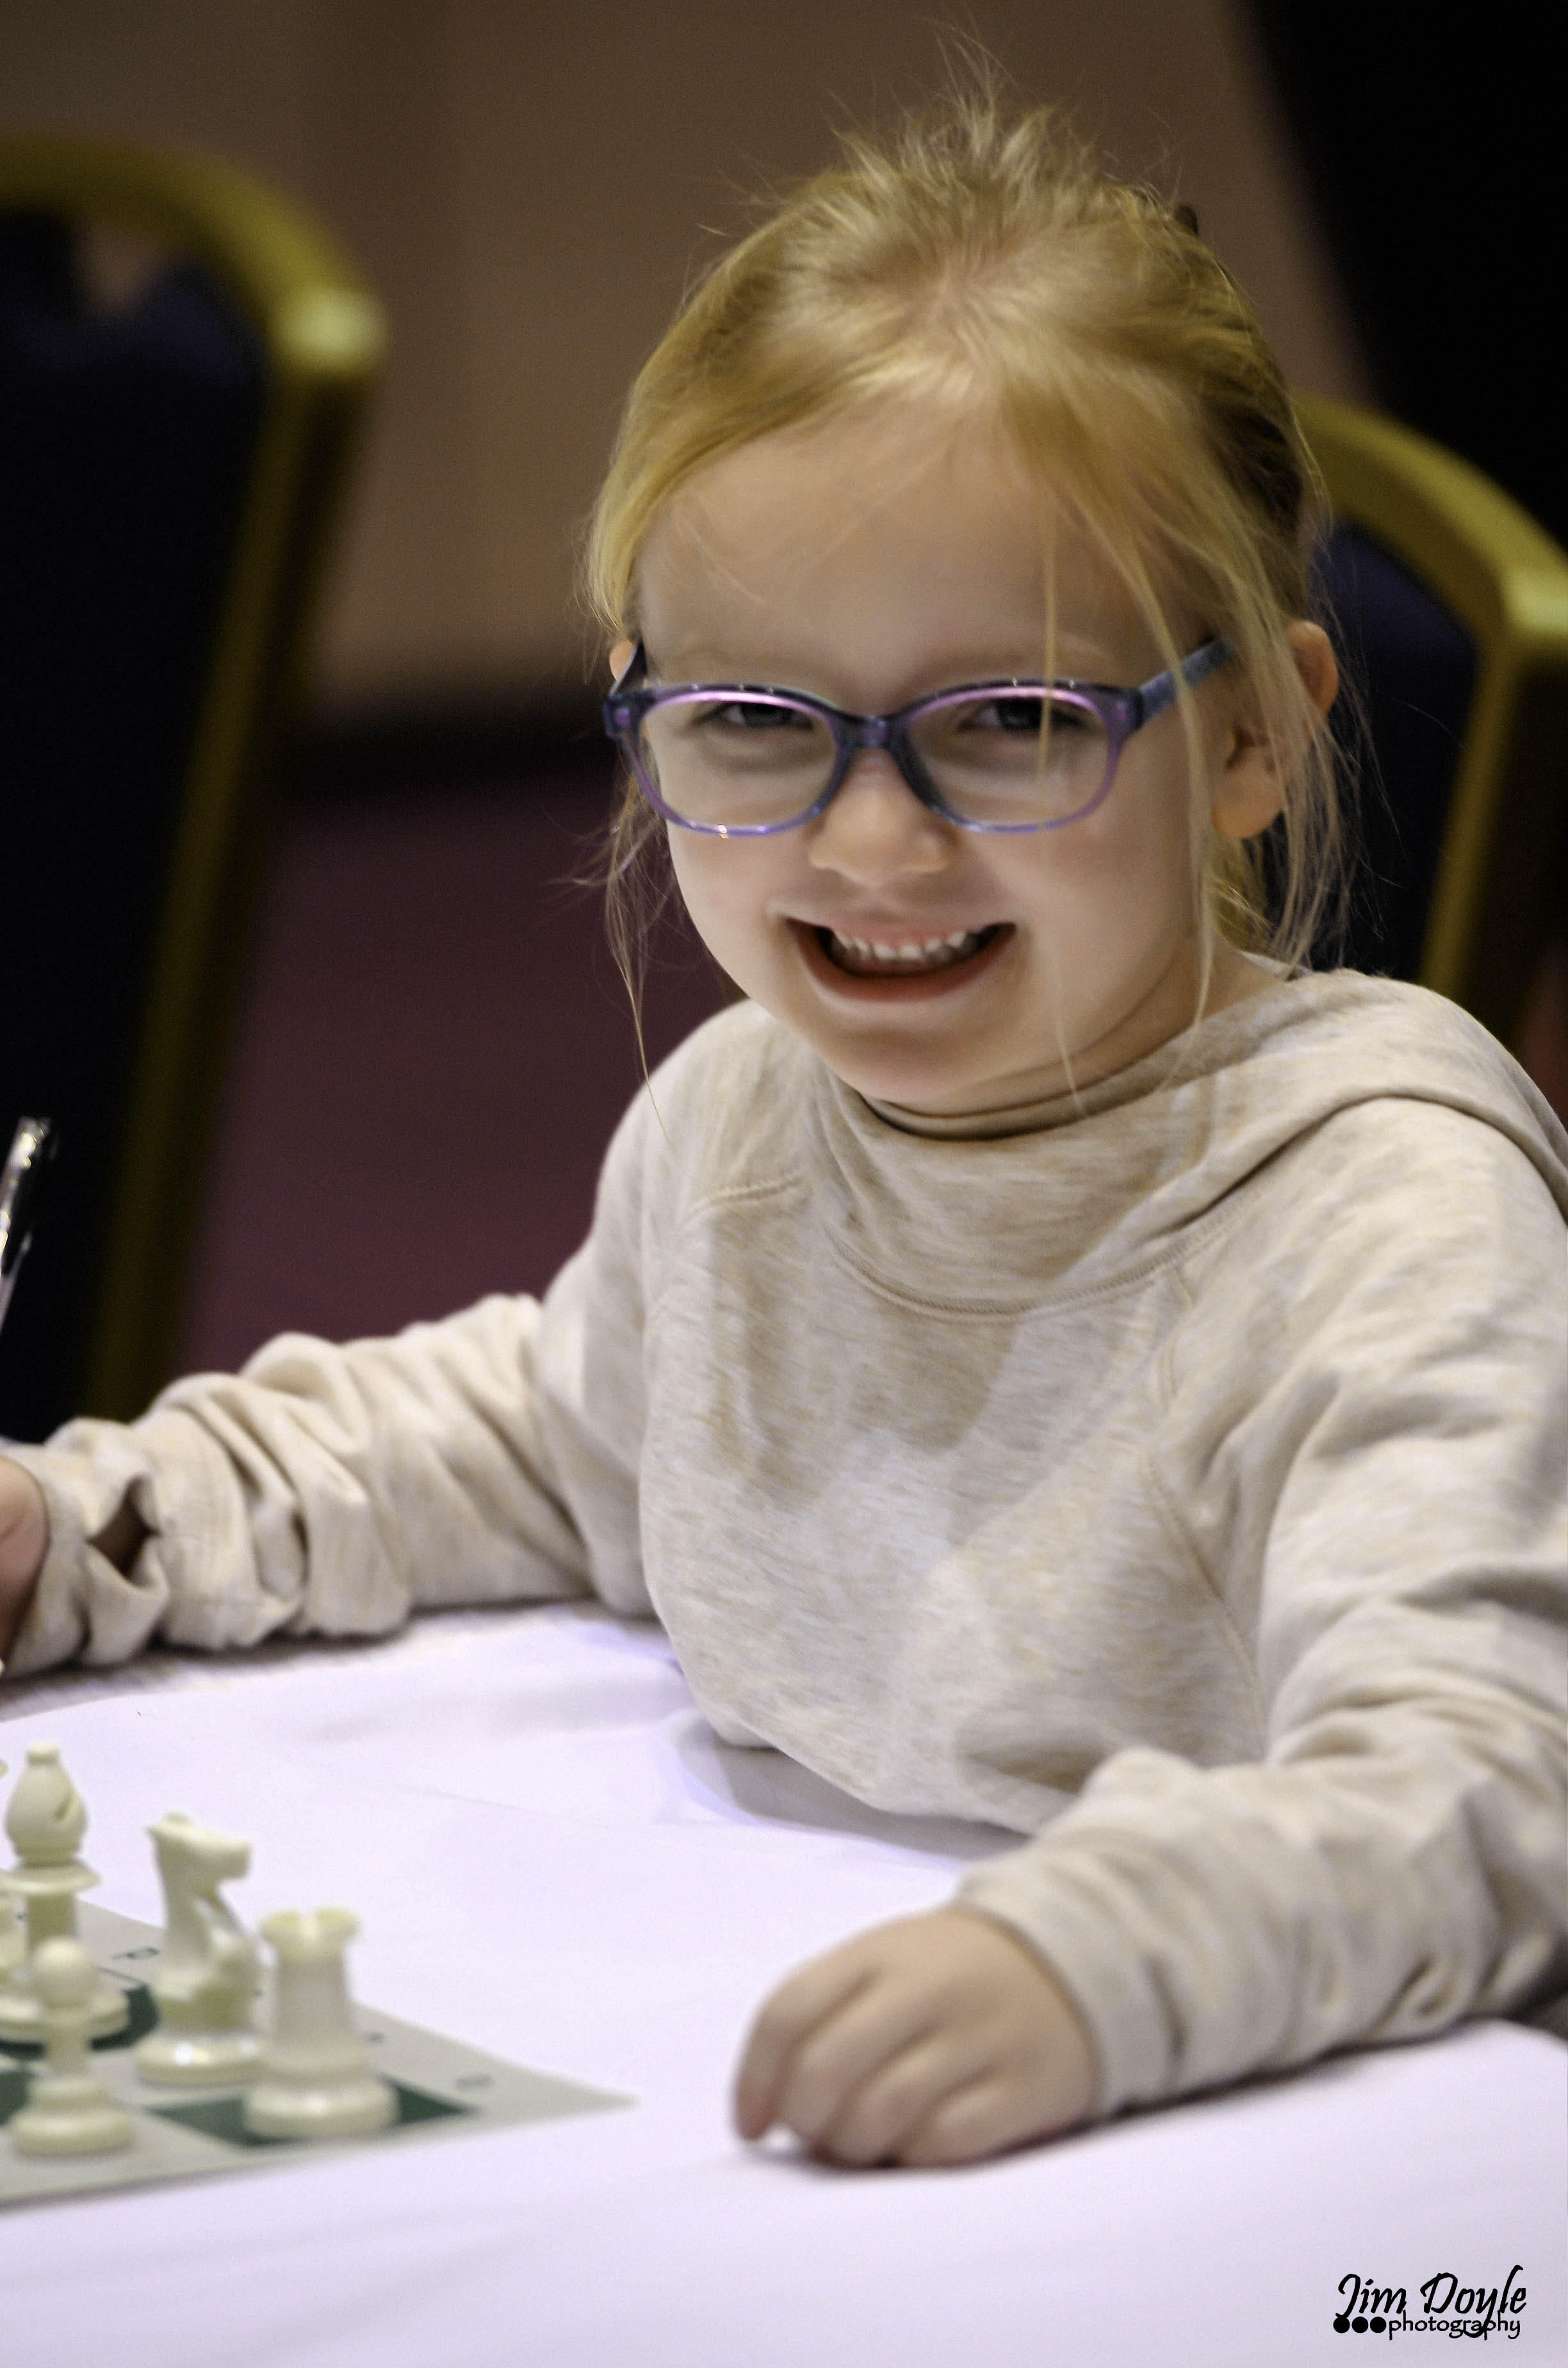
point(1447, 2306)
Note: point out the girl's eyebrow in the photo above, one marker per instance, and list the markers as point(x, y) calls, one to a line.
point(1082, 656)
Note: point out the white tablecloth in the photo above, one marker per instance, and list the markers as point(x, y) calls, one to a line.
point(554, 1861)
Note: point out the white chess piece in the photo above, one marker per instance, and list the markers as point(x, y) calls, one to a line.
point(316, 2080)
point(206, 1975)
point(12, 1938)
point(12, 1945)
point(11, 1941)
point(46, 1821)
point(69, 2109)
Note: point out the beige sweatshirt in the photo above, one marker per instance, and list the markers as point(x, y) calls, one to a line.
point(1177, 1480)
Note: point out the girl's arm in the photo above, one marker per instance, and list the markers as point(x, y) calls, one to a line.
point(332, 1490)
point(1375, 1497)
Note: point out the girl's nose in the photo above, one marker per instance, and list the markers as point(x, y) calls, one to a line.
point(877, 828)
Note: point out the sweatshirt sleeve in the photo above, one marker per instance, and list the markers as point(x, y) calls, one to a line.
point(1376, 1494)
point(332, 1490)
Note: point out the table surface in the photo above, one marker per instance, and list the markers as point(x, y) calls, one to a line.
point(555, 1860)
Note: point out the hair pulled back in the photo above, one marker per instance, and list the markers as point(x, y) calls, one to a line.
point(992, 263)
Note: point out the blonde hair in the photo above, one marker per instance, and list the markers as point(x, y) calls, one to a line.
point(994, 262)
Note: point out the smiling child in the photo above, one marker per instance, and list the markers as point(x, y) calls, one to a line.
point(1046, 1356)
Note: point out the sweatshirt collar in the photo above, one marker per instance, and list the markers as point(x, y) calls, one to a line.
point(1083, 1189)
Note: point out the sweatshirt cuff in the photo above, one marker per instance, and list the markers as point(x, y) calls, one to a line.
point(1115, 1997)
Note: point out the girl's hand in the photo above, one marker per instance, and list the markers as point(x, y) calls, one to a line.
point(934, 2040)
point(23, 1541)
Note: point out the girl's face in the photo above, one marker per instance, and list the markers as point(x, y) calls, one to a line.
point(869, 562)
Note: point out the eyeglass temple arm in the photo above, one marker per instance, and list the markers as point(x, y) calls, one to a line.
point(1159, 691)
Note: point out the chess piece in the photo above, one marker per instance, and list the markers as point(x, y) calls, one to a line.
point(316, 2080)
point(69, 2109)
point(46, 1821)
point(206, 1975)
point(11, 1941)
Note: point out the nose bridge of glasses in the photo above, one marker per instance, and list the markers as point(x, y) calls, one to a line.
point(862, 735)
point(889, 737)
point(857, 733)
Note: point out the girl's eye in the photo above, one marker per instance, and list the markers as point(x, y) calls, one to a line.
point(1024, 715)
point(750, 715)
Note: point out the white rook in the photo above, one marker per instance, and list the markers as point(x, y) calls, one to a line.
point(316, 2080)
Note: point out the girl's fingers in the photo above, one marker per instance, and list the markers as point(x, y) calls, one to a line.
point(897, 2099)
point(794, 2011)
point(1007, 2105)
point(23, 1540)
point(934, 2039)
point(982, 2117)
point(851, 2047)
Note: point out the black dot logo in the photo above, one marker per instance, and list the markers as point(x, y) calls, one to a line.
point(1341, 2323)
point(1358, 2327)
point(1377, 2326)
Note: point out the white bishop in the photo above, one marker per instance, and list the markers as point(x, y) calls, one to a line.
point(46, 1822)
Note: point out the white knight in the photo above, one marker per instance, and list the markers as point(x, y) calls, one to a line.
point(207, 1976)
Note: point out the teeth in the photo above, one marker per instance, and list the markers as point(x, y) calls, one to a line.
point(924, 949)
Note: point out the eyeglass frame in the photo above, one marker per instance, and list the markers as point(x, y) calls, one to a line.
point(1120, 712)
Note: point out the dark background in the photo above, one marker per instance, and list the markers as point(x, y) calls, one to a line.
point(1436, 165)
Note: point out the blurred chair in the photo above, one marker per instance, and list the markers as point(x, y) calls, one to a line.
point(1451, 606)
point(184, 363)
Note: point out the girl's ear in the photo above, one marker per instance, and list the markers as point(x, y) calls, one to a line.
point(1250, 791)
point(619, 657)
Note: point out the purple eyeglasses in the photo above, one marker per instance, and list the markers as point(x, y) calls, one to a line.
point(743, 760)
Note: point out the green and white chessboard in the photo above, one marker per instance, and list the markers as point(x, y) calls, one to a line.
point(443, 2088)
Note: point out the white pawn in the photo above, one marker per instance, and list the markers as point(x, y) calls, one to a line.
point(207, 1973)
point(46, 1821)
point(316, 2080)
point(69, 2109)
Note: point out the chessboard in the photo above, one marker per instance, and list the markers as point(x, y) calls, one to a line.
point(444, 2089)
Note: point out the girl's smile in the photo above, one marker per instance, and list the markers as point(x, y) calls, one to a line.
point(891, 966)
point(871, 561)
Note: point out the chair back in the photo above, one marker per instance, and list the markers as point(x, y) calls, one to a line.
point(1450, 605)
point(174, 467)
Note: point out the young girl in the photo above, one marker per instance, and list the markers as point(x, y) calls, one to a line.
point(1043, 1356)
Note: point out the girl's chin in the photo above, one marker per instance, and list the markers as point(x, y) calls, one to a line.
point(884, 988)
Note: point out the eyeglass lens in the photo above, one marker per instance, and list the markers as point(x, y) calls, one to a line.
point(1007, 758)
